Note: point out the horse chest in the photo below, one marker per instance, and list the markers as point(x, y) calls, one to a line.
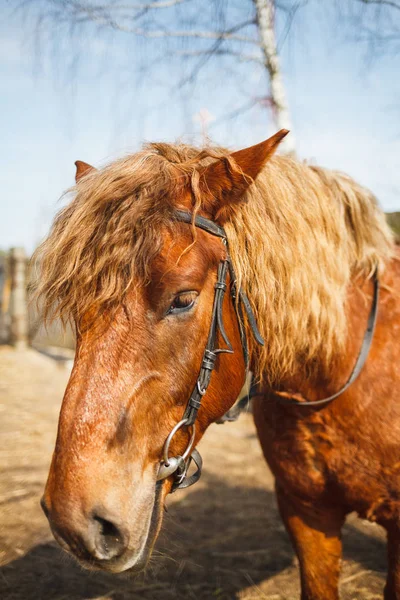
point(300, 453)
point(316, 459)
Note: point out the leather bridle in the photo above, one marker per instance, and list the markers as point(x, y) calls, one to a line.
point(178, 465)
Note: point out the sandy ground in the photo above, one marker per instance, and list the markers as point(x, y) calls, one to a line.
point(222, 539)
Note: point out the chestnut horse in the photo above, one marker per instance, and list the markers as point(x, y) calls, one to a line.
point(139, 284)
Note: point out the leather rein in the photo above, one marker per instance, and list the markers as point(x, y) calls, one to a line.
point(178, 465)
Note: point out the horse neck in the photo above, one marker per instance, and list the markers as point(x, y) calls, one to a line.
point(318, 381)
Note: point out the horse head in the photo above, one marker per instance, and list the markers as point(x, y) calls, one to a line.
point(140, 285)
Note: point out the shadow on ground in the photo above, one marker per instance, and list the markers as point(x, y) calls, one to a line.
point(216, 542)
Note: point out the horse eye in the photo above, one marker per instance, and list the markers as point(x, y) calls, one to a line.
point(182, 303)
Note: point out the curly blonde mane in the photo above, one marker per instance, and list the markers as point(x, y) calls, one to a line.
point(302, 234)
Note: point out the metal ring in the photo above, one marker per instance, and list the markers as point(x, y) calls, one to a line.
point(171, 435)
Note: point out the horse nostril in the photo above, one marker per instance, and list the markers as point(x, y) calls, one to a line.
point(109, 540)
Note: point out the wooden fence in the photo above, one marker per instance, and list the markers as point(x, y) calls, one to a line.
point(20, 323)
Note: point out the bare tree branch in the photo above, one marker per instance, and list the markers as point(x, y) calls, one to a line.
point(82, 12)
point(205, 56)
point(128, 7)
point(239, 55)
point(376, 23)
point(207, 35)
point(233, 29)
point(243, 108)
point(149, 5)
point(390, 3)
point(291, 14)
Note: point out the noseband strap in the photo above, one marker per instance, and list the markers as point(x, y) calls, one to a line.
point(178, 465)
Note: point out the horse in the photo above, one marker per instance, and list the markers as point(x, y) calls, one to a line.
point(181, 268)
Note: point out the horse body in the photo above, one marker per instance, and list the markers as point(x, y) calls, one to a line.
point(344, 457)
point(140, 286)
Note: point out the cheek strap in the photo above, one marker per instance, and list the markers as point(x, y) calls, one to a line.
point(217, 325)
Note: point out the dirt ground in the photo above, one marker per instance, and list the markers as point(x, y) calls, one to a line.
point(222, 539)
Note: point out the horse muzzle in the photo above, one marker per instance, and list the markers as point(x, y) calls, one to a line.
point(102, 539)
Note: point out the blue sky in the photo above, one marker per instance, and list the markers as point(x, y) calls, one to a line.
point(345, 112)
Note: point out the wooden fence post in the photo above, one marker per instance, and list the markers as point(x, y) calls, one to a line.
point(18, 299)
point(3, 316)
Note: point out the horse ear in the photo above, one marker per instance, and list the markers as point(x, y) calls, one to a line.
point(226, 180)
point(82, 169)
